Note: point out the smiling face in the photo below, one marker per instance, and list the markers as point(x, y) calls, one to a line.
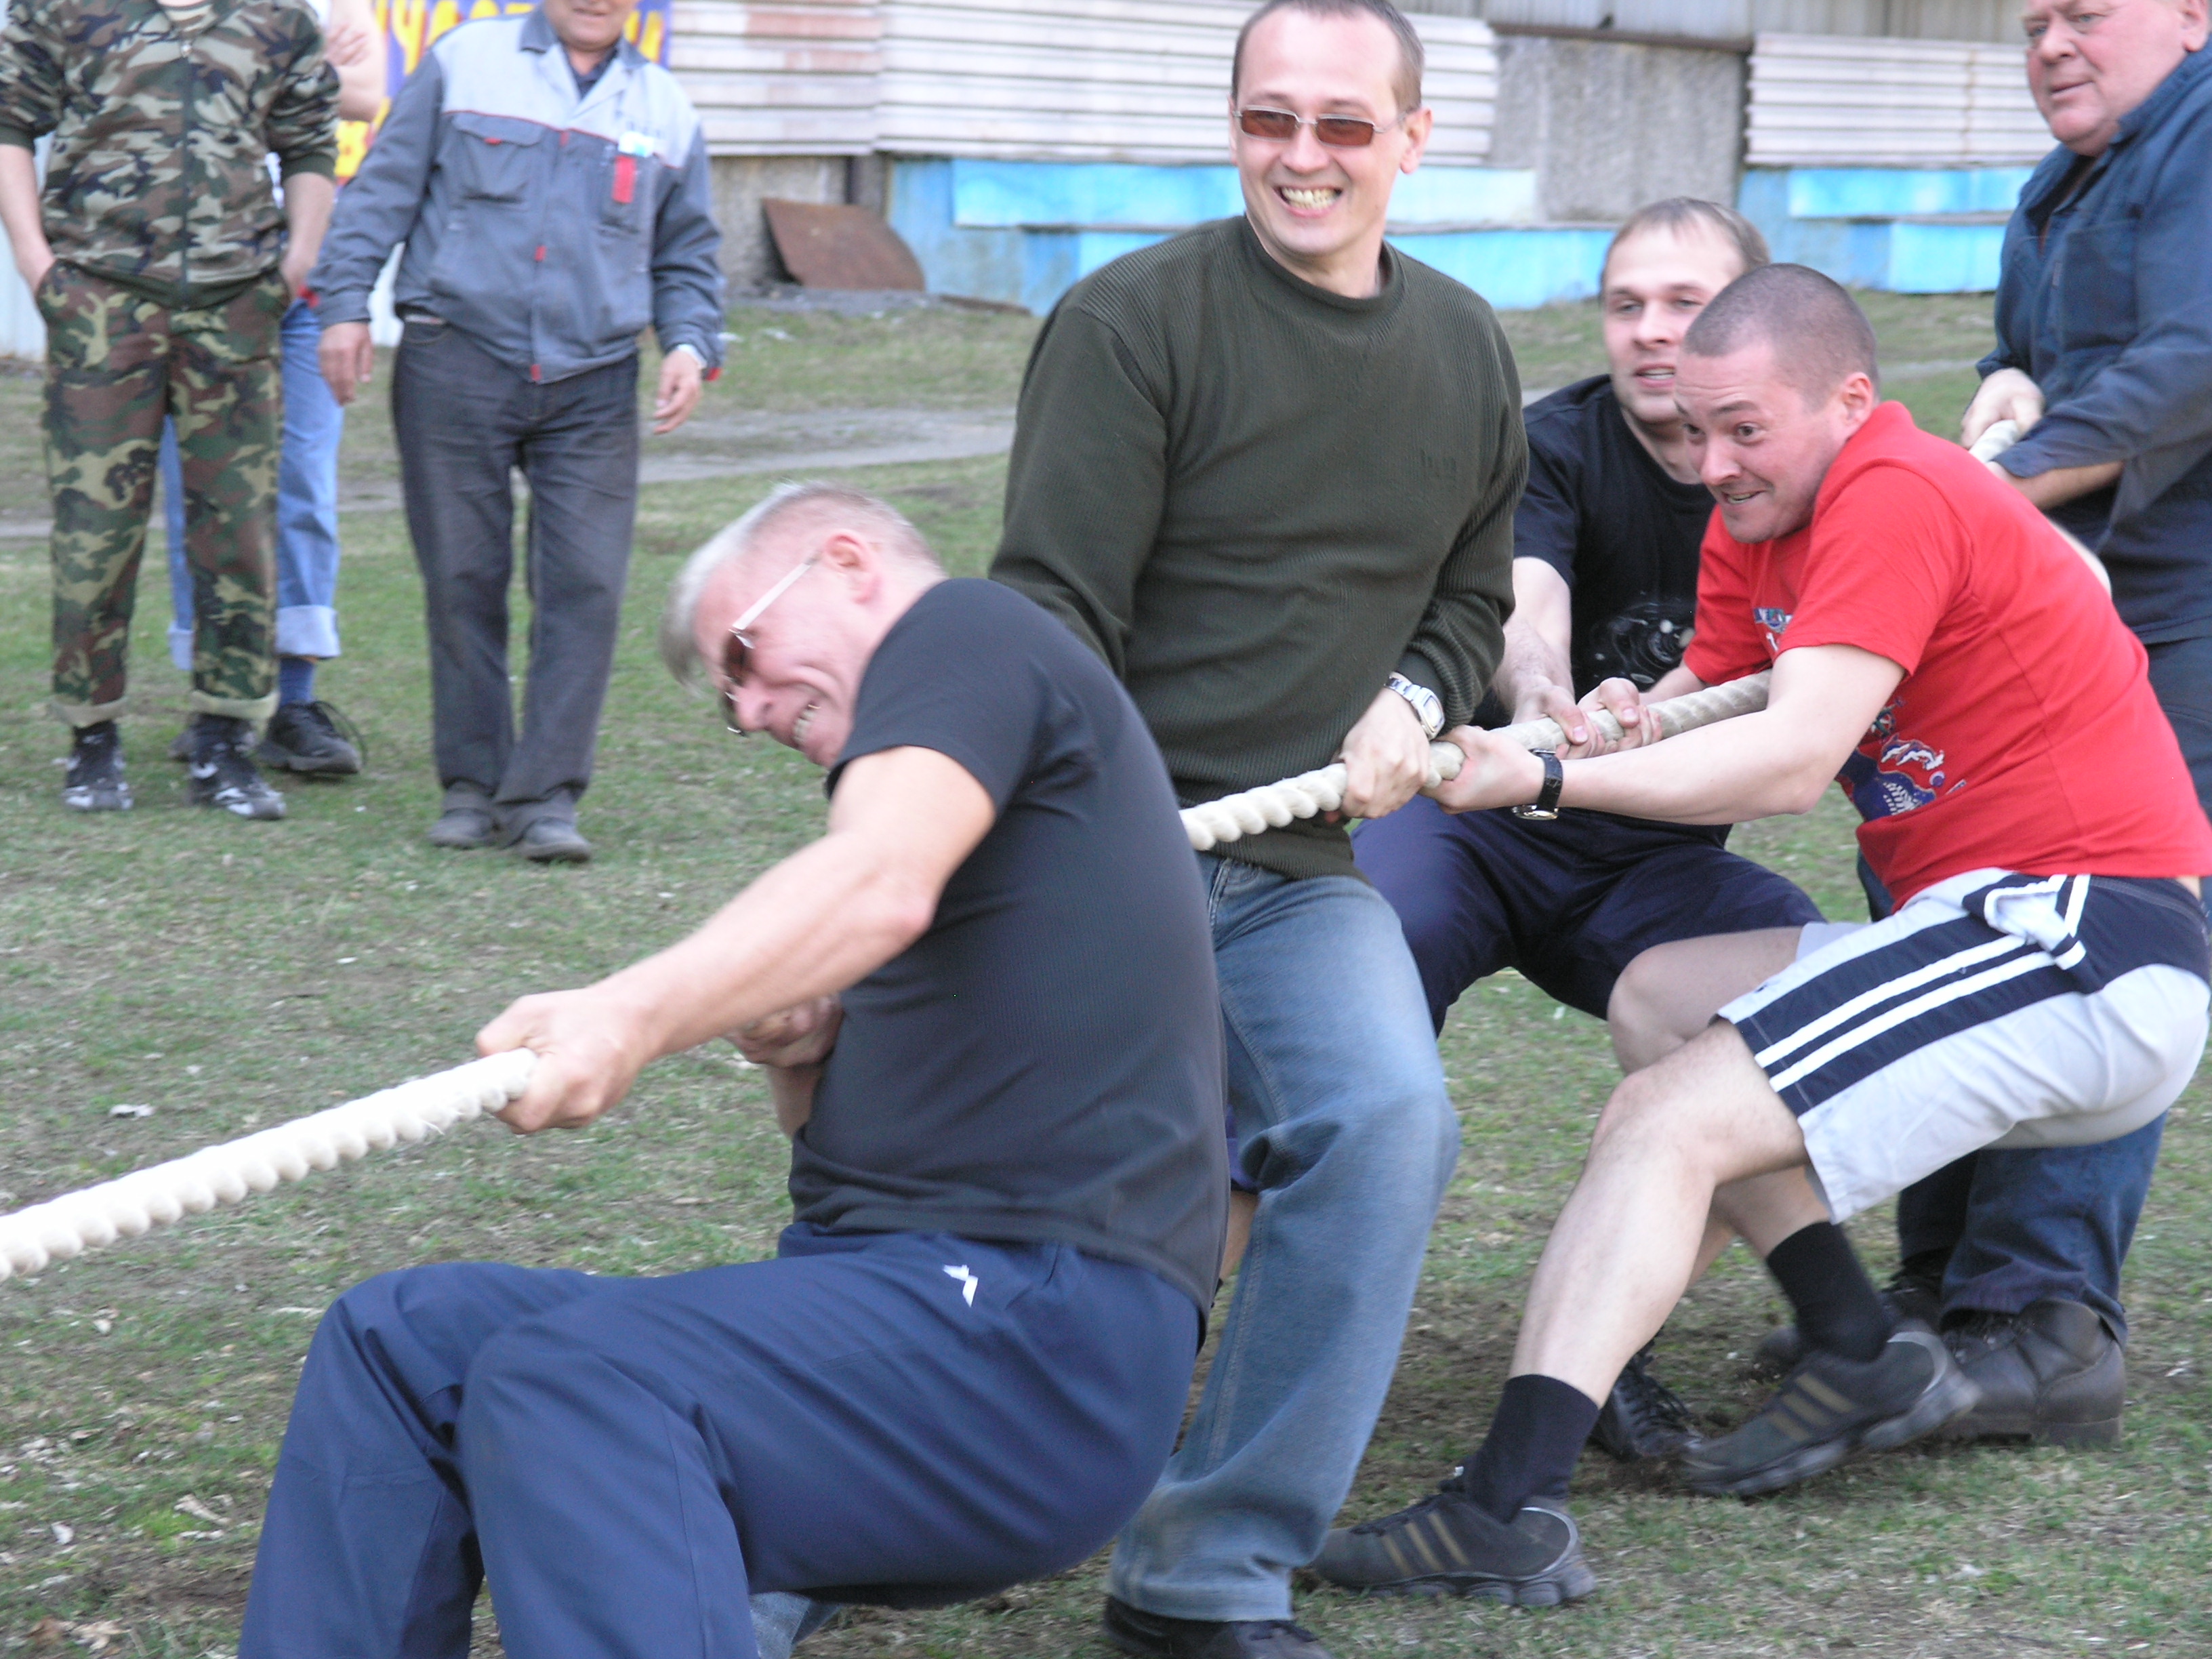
point(1762, 445)
point(811, 646)
point(1320, 210)
point(2091, 62)
point(1656, 284)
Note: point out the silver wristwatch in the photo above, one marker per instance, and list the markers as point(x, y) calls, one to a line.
point(1428, 707)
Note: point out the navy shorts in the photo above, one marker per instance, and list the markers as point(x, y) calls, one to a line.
point(1569, 903)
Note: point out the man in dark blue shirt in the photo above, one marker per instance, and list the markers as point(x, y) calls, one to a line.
point(987, 999)
point(2103, 360)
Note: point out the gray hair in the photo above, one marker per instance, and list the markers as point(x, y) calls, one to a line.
point(788, 502)
point(1412, 58)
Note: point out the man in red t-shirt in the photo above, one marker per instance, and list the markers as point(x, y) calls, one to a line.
point(1944, 654)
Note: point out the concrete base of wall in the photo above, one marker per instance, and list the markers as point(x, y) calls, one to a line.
point(1859, 228)
point(1609, 127)
point(743, 182)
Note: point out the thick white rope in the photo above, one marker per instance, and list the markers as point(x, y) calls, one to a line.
point(154, 1197)
point(2001, 437)
point(1272, 805)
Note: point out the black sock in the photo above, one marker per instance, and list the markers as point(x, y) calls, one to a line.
point(1532, 1445)
point(1838, 1311)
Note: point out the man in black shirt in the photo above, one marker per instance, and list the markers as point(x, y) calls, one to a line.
point(1605, 584)
point(968, 1363)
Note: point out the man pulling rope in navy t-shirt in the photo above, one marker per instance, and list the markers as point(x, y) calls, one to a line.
point(987, 999)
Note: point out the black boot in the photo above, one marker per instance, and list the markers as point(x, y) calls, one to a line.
point(222, 772)
point(2050, 1373)
point(94, 782)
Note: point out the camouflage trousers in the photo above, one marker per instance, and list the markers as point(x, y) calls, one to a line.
point(118, 361)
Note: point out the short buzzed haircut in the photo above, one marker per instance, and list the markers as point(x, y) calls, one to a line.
point(1820, 337)
point(782, 505)
point(1412, 58)
point(1692, 215)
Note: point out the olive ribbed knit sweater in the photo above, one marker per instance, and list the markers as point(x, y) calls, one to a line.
point(1256, 499)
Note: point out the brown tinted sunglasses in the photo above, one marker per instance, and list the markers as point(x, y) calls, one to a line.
point(1337, 131)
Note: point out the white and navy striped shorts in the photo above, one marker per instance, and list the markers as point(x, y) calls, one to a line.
point(1993, 1009)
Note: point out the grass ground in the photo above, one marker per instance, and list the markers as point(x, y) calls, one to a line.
point(230, 975)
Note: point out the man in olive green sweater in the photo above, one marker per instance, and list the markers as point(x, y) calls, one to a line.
point(1267, 470)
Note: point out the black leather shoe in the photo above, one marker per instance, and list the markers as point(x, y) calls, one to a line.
point(1830, 1407)
point(2050, 1373)
point(304, 736)
point(1159, 1637)
point(1448, 1545)
point(553, 841)
point(464, 827)
point(1914, 1296)
point(1643, 1417)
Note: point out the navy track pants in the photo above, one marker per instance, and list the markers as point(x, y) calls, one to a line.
point(906, 1418)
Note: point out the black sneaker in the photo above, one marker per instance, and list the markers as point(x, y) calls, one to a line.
point(1643, 1417)
point(2051, 1374)
point(1159, 1637)
point(1830, 1407)
point(1914, 1296)
point(222, 772)
point(303, 737)
point(1448, 1545)
point(94, 781)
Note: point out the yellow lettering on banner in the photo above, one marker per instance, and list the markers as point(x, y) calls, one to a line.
point(444, 20)
point(408, 22)
point(655, 26)
point(483, 8)
point(353, 147)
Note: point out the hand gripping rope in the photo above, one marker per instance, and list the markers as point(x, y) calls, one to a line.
point(1273, 804)
point(149, 1198)
point(154, 1197)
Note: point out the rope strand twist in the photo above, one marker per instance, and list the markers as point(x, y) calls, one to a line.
point(155, 1196)
point(1270, 806)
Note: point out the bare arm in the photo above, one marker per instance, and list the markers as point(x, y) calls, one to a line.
point(2063, 483)
point(308, 200)
point(19, 212)
point(901, 822)
point(1535, 676)
point(1780, 760)
point(355, 47)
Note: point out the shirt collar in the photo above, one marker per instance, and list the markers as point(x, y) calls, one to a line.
point(538, 36)
point(2171, 91)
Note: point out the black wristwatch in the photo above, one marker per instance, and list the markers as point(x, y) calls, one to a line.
point(1546, 806)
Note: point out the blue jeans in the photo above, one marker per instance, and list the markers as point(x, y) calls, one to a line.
point(631, 1460)
point(2033, 1224)
point(1346, 1129)
point(2055, 1222)
point(306, 507)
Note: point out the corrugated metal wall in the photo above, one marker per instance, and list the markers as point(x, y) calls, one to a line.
point(1739, 19)
point(1820, 101)
point(1061, 80)
point(788, 77)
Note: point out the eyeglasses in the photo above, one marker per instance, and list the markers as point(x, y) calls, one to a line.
point(738, 643)
point(1337, 131)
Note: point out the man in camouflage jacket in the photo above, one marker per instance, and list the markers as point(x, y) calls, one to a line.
point(162, 263)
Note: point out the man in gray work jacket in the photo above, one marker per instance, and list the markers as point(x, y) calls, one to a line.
point(550, 184)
